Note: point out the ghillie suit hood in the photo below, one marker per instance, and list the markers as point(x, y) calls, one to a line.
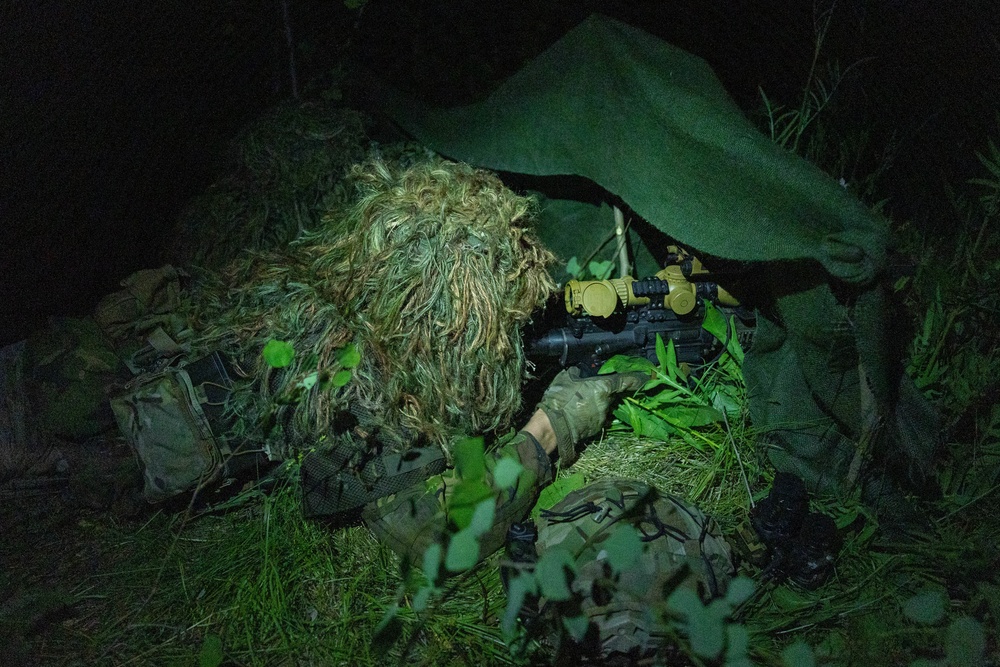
point(431, 275)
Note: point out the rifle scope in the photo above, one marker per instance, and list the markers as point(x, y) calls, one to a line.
point(601, 298)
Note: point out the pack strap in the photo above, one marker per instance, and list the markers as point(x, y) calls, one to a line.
point(333, 490)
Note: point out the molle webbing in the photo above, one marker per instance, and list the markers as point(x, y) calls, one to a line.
point(332, 489)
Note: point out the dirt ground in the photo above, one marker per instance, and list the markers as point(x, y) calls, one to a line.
point(54, 542)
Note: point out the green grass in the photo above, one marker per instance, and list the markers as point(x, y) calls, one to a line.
point(264, 587)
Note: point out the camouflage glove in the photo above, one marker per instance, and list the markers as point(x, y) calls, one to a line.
point(578, 407)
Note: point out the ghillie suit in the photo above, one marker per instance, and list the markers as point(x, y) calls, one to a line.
point(280, 176)
point(430, 275)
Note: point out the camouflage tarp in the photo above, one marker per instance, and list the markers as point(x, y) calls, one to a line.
point(652, 126)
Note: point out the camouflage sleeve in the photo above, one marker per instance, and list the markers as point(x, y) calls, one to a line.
point(413, 519)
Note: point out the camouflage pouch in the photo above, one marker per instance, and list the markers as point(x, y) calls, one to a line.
point(148, 299)
point(163, 417)
point(143, 319)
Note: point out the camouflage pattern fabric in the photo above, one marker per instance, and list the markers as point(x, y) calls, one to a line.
point(149, 299)
point(681, 547)
point(144, 320)
point(577, 407)
point(69, 366)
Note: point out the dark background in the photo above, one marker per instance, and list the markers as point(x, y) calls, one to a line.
point(113, 113)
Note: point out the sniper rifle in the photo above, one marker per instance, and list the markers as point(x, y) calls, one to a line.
point(624, 316)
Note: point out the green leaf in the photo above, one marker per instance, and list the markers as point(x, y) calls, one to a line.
point(661, 354)
point(432, 562)
point(673, 369)
point(926, 608)
point(733, 346)
point(576, 626)
point(687, 417)
point(278, 353)
point(621, 363)
point(482, 516)
point(714, 322)
point(211, 654)
point(739, 591)
point(664, 398)
point(574, 268)
point(387, 632)
point(518, 589)
point(798, 654)
point(422, 598)
point(643, 422)
point(506, 472)
point(737, 646)
point(685, 602)
point(470, 458)
point(722, 329)
point(847, 517)
point(719, 608)
point(707, 633)
point(557, 490)
point(623, 547)
point(601, 270)
point(551, 573)
point(348, 356)
point(965, 643)
point(463, 551)
point(341, 377)
point(465, 498)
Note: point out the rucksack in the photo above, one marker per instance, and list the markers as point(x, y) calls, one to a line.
point(681, 547)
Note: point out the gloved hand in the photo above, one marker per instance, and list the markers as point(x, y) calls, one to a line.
point(578, 407)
